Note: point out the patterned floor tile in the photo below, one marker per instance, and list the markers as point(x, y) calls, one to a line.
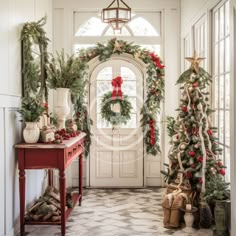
point(116, 212)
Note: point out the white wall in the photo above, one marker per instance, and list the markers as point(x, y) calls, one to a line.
point(63, 38)
point(191, 11)
point(13, 14)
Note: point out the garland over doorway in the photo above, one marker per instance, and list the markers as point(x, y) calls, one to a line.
point(154, 83)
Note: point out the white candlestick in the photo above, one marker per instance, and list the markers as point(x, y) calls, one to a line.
point(188, 207)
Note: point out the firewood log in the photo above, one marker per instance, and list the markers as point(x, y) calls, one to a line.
point(56, 218)
point(48, 216)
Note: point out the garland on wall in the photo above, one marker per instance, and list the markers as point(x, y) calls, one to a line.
point(154, 84)
point(34, 59)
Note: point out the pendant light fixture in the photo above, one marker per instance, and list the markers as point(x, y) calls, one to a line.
point(116, 14)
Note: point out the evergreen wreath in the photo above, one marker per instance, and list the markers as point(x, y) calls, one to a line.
point(113, 117)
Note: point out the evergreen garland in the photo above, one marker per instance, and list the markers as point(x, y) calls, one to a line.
point(154, 83)
point(112, 117)
point(33, 72)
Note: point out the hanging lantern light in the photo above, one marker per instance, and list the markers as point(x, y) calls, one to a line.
point(116, 14)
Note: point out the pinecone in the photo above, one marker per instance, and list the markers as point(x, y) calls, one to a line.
point(205, 216)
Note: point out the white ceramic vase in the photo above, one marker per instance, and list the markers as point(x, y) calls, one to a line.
point(31, 132)
point(62, 108)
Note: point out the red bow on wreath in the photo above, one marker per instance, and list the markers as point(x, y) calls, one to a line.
point(152, 131)
point(116, 83)
point(156, 60)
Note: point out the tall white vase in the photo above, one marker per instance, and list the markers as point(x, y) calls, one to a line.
point(61, 108)
point(31, 132)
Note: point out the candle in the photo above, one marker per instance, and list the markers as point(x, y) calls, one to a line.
point(188, 207)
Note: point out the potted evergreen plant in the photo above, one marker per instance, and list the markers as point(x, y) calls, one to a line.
point(218, 193)
point(65, 74)
point(31, 110)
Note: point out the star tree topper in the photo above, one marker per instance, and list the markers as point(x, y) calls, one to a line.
point(195, 61)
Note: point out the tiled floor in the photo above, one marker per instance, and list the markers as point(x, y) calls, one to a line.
point(115, 212)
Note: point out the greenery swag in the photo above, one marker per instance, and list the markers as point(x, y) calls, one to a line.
point(111, 116)
point(154, 83)
point(34, 59)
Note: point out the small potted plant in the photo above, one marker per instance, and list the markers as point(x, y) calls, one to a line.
point(31, 110)
point(217, 192)
point(65, 74)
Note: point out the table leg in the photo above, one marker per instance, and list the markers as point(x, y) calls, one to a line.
point(80, 178)
point(22, 200)
point(62, 180)
point(50, 177)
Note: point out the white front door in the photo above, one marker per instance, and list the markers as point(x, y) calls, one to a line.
point(116, 156)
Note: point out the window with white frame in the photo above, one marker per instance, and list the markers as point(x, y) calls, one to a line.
point(187, 49)
point(89, 29)
point(221, 78)
point(200, 39)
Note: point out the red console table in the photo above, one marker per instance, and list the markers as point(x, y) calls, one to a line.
point(50, 156)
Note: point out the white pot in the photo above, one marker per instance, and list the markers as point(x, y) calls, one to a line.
point(31, 132)
point(61, 108)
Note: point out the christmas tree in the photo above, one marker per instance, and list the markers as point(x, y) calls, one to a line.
point(194, 152)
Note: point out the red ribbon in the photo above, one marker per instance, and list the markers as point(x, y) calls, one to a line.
point(116, 83)
point(156, 60)
point(152, 131)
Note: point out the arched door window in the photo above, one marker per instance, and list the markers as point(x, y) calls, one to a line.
point(89, 29)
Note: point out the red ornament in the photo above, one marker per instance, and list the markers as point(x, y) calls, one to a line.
point(184, 109)
point(188, 174)
point(219, 163)
point(191, 153)
point(193, 166)
point(222, 171)
point(210, 132)
point(200, 181)
point(195, 85)
point(200, 159)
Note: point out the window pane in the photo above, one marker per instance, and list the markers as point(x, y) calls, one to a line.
point(227, 16)
point(78, 47)
point(227, 128)
point(127, 74)
point(221, 127)
point(221, 93)
point(153, 48)
point(222, 22)
point(93, 27)
point(216, 18)
point(216, 60)
point(227, 55)
point(129, 88)
point(227, 91)
point(142, 27)
point(105, 74)
point(103, 87)
point(101, 123)
point(133, 102)
point(216, 122)
point(216, 98)
point(123, 32)
point(222, 56)
point(227, 164)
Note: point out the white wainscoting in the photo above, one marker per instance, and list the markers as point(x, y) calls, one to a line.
point(13, 14)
